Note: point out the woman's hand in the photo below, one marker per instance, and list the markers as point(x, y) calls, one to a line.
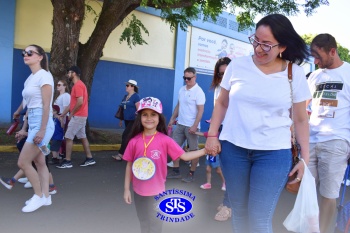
point(127, 196)
point(212, 146)
point(299, 169)
point(39, 136)
point(120, 123)
point(21, 134)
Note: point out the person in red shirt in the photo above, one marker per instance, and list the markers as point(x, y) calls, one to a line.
point(78, 113)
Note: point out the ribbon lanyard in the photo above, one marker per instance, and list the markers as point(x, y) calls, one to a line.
point(144, 143)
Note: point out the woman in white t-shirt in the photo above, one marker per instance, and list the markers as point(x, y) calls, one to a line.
point(37, 97)
point(63, 99)
point(254, 103)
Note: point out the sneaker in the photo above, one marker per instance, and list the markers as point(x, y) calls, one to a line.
point(223, 187)
point(34, 203)
point(28, 185)
point(189, 178)
point(88, 162)
point(174, 175)
point(23, 180)
point(52, 190)
point(65, 164)
point(54, 161)
point(206, 186)
point(47, 202)
point(7, 182)
point(170, 164)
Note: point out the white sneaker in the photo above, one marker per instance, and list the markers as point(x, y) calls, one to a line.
point(47, 203)
point(23, 180)
point(28, 185)
point(170, 164)
point(34, 203)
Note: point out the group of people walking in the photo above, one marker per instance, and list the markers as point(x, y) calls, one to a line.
point(250, 128)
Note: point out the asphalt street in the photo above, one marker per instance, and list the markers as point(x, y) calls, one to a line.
point(90, 199)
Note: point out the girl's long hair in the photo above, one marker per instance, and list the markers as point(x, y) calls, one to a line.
point(138, 128)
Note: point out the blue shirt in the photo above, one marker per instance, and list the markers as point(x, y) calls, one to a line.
point(129, 106)
point(58, 134)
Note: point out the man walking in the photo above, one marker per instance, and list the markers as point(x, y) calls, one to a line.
point(189, 111)
point(78, 113)
point(329, 124)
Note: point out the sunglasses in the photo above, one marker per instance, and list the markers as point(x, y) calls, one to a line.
point(59, 85)
point(127, 85)
point(29, 53)
point(188, 78)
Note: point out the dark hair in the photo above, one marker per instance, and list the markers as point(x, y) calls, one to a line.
point(138, 128)
point(216, 78)
point(190, 70)
point(44, 63)
point(324, 41)
point(136, 89)
point(283, 31)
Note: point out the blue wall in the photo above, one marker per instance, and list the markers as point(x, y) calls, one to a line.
point(108, 88)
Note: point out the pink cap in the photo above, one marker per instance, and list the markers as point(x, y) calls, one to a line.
point(151, 103)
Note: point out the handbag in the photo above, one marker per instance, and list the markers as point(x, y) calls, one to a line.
point(304, 216)
point(120, 113)
point(293, 188)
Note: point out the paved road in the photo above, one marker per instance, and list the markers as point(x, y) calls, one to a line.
point(89, 199)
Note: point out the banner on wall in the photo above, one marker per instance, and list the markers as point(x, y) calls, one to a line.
point(207, 48)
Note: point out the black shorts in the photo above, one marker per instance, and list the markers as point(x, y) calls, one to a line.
point(55, 145)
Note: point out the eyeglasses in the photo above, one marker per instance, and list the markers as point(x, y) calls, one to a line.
point(127, 85)
point(188, 78)
point(29, 53)
point(263, 46)
point(220, 74)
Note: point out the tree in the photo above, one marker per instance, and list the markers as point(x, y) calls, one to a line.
point(343, 52)
point(68, 17)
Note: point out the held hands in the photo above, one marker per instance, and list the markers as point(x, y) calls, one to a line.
point(20, 134)
point(212, 146)
point(127, 196)
point(299, 169)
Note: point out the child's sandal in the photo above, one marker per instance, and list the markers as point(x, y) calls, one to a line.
point(224, 214)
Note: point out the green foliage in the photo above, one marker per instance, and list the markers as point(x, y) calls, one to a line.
point(91, 10)
point(132, 33)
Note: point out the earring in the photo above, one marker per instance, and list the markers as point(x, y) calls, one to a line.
point(280, 55)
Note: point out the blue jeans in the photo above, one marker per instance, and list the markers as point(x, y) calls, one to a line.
point(254, 182)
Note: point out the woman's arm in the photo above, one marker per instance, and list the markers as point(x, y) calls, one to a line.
point(46, 95)
point(212, 144)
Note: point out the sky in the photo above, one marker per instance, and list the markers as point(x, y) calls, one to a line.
point(333, 19)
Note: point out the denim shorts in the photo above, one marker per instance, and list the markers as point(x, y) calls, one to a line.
point(328, 162)
point(34, 123)
point(213, 164)
point(55, 145)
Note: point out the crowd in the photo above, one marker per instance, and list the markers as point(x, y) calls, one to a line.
point(249, 134)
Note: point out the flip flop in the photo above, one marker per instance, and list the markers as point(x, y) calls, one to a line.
point(118, 157)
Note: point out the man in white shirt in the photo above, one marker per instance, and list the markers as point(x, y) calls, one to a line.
point(329, 124)
point(189, 111)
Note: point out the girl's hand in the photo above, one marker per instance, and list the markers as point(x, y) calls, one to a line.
point(299, 169)
point(39, 136)
point(212, 146)
point(120, 123)
point(127, 196)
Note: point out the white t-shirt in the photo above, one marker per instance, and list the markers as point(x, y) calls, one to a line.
point(63, 101)
point(188, 101)
point(32, 89)
point(330, 117)
point(257, 116)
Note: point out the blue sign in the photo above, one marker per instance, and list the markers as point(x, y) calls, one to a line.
point(175, 206)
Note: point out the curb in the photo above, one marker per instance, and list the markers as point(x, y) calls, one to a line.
point(79, 147)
